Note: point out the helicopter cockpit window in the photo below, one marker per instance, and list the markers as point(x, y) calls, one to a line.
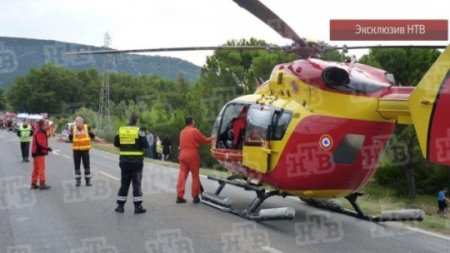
point(283, 118)
point(259, 119)
point(232, 126)
point(348, 149)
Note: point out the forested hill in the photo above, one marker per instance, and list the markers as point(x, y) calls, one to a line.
point(19, 55)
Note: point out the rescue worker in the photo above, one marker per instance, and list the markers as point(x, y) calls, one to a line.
point(189, 159)
point(39, 149)
point(81, 137)
point(25, 134)
point(132, 144)
point(238, 128)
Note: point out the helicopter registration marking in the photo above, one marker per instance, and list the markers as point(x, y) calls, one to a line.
point(326, 142)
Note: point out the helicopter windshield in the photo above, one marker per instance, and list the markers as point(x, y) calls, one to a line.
point(244, 124)
point(225, 125)
point(258, 121)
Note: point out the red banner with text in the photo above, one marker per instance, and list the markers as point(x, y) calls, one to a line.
point(387, 29)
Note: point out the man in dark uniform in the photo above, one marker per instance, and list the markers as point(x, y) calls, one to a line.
point(132, 143)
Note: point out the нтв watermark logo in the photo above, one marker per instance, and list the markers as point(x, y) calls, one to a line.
point(101, 190)
point(309, 159)
point(170, 241)
point(244, 237)
point(56, 54)
point(8, 60)
point(318, 228)
point(15, 193)
point(95, 245)
point(19, 249)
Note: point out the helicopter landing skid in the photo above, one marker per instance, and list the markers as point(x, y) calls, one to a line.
point(399, 215)
point(252, 211)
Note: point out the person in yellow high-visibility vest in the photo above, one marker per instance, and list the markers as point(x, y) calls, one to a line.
point(132, 143)
point(25, 134)
point(81, 137)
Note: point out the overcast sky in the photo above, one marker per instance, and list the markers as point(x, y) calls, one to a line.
point(165, 23)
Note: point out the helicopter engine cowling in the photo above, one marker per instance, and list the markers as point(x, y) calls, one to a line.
point(335, 76)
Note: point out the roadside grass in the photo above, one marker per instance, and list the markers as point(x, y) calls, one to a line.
point(375, 200)
point(379, 198)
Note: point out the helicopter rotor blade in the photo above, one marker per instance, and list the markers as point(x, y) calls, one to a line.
point(171, 49)
point(385, 46)
point(266, 15)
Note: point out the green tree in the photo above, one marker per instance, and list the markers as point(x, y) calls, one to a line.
point(51, 89)
point(2, 100)
point(407, 64)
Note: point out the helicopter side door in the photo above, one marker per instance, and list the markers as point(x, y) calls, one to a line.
point(256, 148)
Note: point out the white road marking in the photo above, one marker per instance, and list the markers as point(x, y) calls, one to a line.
point(22, 219)
point(57, 153)
point(418, 230)
point(66, 156)
point(271, 250)
point(108, 175)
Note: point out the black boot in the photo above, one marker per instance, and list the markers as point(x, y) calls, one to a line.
point(78, 182)
point(88, 181)
point(196, 200)
point(139, 209)
point(180, 200)
point(44, 187)
point(119, 208)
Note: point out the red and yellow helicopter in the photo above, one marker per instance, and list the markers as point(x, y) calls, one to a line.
point(316, 128)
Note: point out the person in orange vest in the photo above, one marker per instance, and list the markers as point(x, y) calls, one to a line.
point(81, 137)
point(190, 140)
point(39, 149)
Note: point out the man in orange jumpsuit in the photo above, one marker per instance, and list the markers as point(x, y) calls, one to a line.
point(39, 150)
point(190, 140)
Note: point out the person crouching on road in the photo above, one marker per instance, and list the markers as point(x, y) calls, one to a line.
point(81, 136)
point(189, 159)
point(25, 134)
point(39, 149)
point(132, 144)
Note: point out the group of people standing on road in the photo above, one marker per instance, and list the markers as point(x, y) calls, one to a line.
point(157, 148)
point(133, 143)
point(80, 136)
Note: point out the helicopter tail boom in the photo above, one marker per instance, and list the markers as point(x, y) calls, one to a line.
point(429, 106)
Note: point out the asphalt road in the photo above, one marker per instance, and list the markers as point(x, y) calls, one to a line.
point(81, 220)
